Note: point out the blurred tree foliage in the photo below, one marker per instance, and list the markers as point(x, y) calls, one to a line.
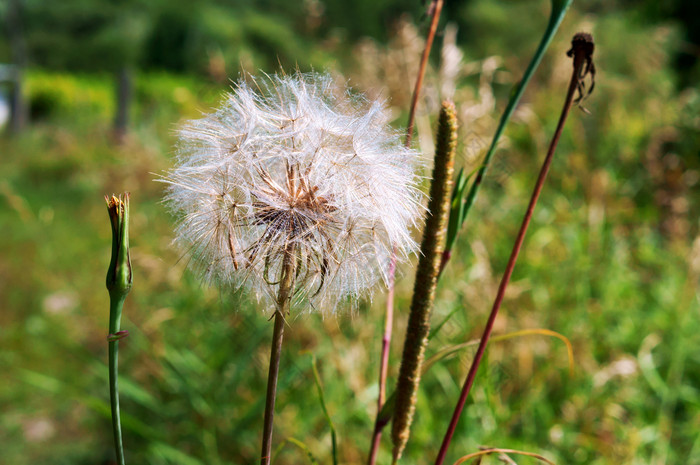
point(99, 35)
point(479, 18)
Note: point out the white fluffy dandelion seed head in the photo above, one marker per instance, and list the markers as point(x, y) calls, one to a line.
point(294, 163)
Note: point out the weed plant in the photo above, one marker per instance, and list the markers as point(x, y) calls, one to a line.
point(611, 262)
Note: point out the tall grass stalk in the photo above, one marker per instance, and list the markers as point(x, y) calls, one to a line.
point(436, 9)
point(581, 50)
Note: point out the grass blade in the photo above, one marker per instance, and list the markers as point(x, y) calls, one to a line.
point(319, 388)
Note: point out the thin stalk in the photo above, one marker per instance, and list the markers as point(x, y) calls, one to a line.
point(115, 311)
point(582, 49)
point(435, 19)
point(384, 365)
point(322, 398)
point(463, 205)
point(389, 318)
point(283, 301)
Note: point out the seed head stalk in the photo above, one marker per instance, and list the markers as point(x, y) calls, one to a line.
point(582, 49)
point(283, 304)
point(298, 190)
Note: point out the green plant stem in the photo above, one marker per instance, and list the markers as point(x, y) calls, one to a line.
point(115, 313)
point(283, 301)
point(119, 282)
point(461, 212)
point(579, 54)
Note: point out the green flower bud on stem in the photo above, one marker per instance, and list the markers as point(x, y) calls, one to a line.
point(119, 282)
point(426, 278)
point(119, 279)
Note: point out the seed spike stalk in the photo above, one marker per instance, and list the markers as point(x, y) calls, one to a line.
point(582, 49)
point(389, 316)
point(425, 285)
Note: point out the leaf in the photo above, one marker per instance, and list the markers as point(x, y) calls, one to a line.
point(319, 388)
point(387, 411)
point(559, 8)
point(439, 326)
point(447, 351)
point(301, 446)
point(456, 209)
point(172, 454)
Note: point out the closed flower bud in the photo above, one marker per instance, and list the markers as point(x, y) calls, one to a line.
point(119, 278)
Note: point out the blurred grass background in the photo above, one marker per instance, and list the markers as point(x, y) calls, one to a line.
point(612, 259)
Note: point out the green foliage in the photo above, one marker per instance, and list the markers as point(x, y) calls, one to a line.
point(83, 34)
point(372, 18)
point(62, 96)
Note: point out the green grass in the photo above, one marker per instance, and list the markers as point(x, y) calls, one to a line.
point(606, 264)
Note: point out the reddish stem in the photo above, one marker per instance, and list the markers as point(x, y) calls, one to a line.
point(579, 61)
point(437, 8)
point(384, 364)
point(386, 340)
